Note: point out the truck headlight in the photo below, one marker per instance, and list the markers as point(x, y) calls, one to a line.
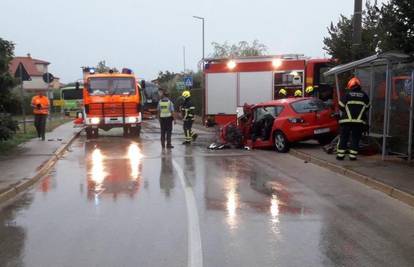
point(131, 120)
point(95, 120)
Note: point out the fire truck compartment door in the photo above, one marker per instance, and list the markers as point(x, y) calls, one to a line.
point(255, 87)
point(221, 93)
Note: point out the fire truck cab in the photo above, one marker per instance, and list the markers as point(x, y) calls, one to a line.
point(111, 100)
point(232, 82)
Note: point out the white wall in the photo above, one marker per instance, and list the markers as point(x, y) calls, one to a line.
point(35, 84)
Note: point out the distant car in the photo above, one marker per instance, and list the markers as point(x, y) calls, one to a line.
point(281, 122)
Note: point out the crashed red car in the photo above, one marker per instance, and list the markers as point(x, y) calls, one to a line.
point(281, 122)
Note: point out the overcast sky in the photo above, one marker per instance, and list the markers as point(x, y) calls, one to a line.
point(149, 35)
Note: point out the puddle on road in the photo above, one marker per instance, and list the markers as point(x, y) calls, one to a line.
point(235, 186)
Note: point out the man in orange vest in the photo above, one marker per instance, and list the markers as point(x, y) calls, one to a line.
point(40, 104)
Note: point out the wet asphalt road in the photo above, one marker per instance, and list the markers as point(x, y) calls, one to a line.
point(117, 202)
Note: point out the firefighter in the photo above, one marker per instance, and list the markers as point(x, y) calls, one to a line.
point(298, 93)
point(353, 106)
point(166, 118)
point(187, 110)
point(40, 104)
point(282, 93)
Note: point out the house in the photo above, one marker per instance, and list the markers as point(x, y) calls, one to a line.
point(35, 68)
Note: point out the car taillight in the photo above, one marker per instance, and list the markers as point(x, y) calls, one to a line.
point(296, 120)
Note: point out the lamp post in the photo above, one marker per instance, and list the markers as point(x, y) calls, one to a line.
point(202, 61)
point(202, 19)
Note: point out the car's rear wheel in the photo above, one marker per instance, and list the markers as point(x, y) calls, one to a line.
point(281, 142)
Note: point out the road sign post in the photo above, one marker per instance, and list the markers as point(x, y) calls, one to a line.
point(48, 78)
point(22, 74)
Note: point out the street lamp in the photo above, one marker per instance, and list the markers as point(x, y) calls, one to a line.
point(202, 19)
point(204, 82)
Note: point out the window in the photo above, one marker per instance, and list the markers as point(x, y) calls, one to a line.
point(308, 105)
point(111, 86)
point(288, 80)
point(261, 112)
point(72, 94)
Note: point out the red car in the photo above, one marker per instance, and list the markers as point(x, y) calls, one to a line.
point(281, 122)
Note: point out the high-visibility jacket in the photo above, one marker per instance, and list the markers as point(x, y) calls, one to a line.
point(187, 110)
point(165, 108)
point(354, 106)
point(40, 105)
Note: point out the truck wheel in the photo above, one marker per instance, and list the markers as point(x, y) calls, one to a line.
point(126, 131)
point(281, 142)
point(89, 134)
point(135, 131)
point(95, 133)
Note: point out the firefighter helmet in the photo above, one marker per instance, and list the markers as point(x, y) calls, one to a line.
point(309, 89)
point(298, 93)
point(354, 82)
point(186, 94)
point(282, 92)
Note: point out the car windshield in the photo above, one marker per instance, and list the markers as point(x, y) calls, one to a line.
point(308, 105)
point(111, 86)
point(72, 94)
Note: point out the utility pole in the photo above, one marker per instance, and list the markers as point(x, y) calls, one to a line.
point(357, 27)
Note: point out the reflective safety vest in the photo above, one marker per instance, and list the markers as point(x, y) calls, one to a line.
point(41, 105)
point(354, 107)
point(165, 108)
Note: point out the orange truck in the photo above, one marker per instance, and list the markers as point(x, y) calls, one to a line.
point(111, 100)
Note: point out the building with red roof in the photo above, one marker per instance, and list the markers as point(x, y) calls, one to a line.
point(35, 68)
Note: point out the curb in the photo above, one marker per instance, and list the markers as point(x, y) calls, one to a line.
point(26, 183)
point(369, 181)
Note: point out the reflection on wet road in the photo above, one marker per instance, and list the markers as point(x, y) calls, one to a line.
point(118, 202)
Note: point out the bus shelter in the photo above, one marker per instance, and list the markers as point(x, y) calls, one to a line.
point(388, 80)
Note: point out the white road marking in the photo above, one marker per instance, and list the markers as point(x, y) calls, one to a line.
point(195, 252)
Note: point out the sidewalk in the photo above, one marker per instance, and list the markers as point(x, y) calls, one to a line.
point(28, 159)
point(390, 175)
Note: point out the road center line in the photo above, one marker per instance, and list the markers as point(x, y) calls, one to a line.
point(195, 252)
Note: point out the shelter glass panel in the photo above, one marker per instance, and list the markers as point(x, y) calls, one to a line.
point(400, 100)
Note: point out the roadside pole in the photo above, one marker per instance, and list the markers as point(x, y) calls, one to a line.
point(22, 99)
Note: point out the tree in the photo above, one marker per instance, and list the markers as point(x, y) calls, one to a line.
point(397, 26)
point(101, 67)
point(7, 82)
point(339, 42)
point(243, 48)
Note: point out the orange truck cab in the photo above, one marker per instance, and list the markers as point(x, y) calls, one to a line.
point(112, 100)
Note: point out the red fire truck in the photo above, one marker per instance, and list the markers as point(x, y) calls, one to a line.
point(232, 82)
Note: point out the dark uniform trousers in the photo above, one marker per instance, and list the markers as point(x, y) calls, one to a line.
point(353, 130)
point(166, 129)
point(40, 124)
point(188, 132)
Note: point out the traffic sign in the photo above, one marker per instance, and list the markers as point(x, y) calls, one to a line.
point(188, 81)
point(21, 73)
point(180, 86)
point(48, 77)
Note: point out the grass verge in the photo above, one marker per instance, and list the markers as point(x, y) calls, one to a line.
point(20, 137)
